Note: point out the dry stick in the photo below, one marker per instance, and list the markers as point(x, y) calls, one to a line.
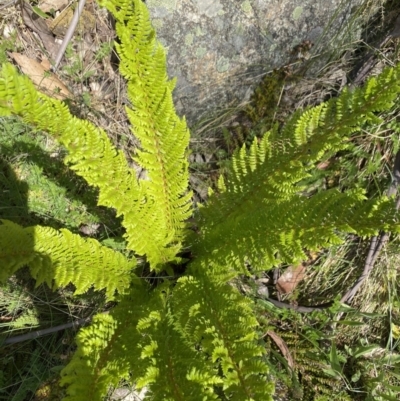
point(68, 35)
point(10, 3)
point(377, 243)
point(376, 246)
point(39, 333)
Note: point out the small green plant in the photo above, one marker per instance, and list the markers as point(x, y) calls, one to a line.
point(186, 333)
point(75, 68)
point(375, 372)
point(105, 50)
point(7, 45)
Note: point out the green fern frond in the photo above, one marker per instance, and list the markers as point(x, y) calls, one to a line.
point(60, 257)
point(259, 212)
point(154, 210)
point(85, 373)
point(273, 231)
point(309, 121)
point(188, 377)
point(28, 319)
point(213, 317)
point(16, 249)
point(164, 137)
point(138, 342)
point(108, 349)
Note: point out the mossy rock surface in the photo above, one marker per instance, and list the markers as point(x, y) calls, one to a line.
point(219, 49)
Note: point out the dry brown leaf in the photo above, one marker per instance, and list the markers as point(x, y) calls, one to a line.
point(283, 347)
point(45, 81)
point(290, 279)
point(323, 165)
point(39, 26)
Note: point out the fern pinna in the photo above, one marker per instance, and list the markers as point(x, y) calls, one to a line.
point(193, 337)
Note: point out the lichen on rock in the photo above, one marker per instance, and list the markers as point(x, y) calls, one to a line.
point(218, 49)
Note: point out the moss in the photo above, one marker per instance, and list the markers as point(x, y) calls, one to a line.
point(261, 114)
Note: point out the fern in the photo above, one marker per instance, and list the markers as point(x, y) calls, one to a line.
point(60, 257)
point(213, 324)
point(88, 147)
point(261, 193)
point(193, 337)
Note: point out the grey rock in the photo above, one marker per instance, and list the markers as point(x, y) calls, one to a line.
point(263, 292)
point(124, 394)
point(218, 49)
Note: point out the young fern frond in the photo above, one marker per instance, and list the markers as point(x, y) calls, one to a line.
point(60, 257)
point(155, 209)
point(164, 137)
point(215, 318)
point(108, 349)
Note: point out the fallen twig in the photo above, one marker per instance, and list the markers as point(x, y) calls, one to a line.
point(377, 242)
point(68, 35)
point(39, 333)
